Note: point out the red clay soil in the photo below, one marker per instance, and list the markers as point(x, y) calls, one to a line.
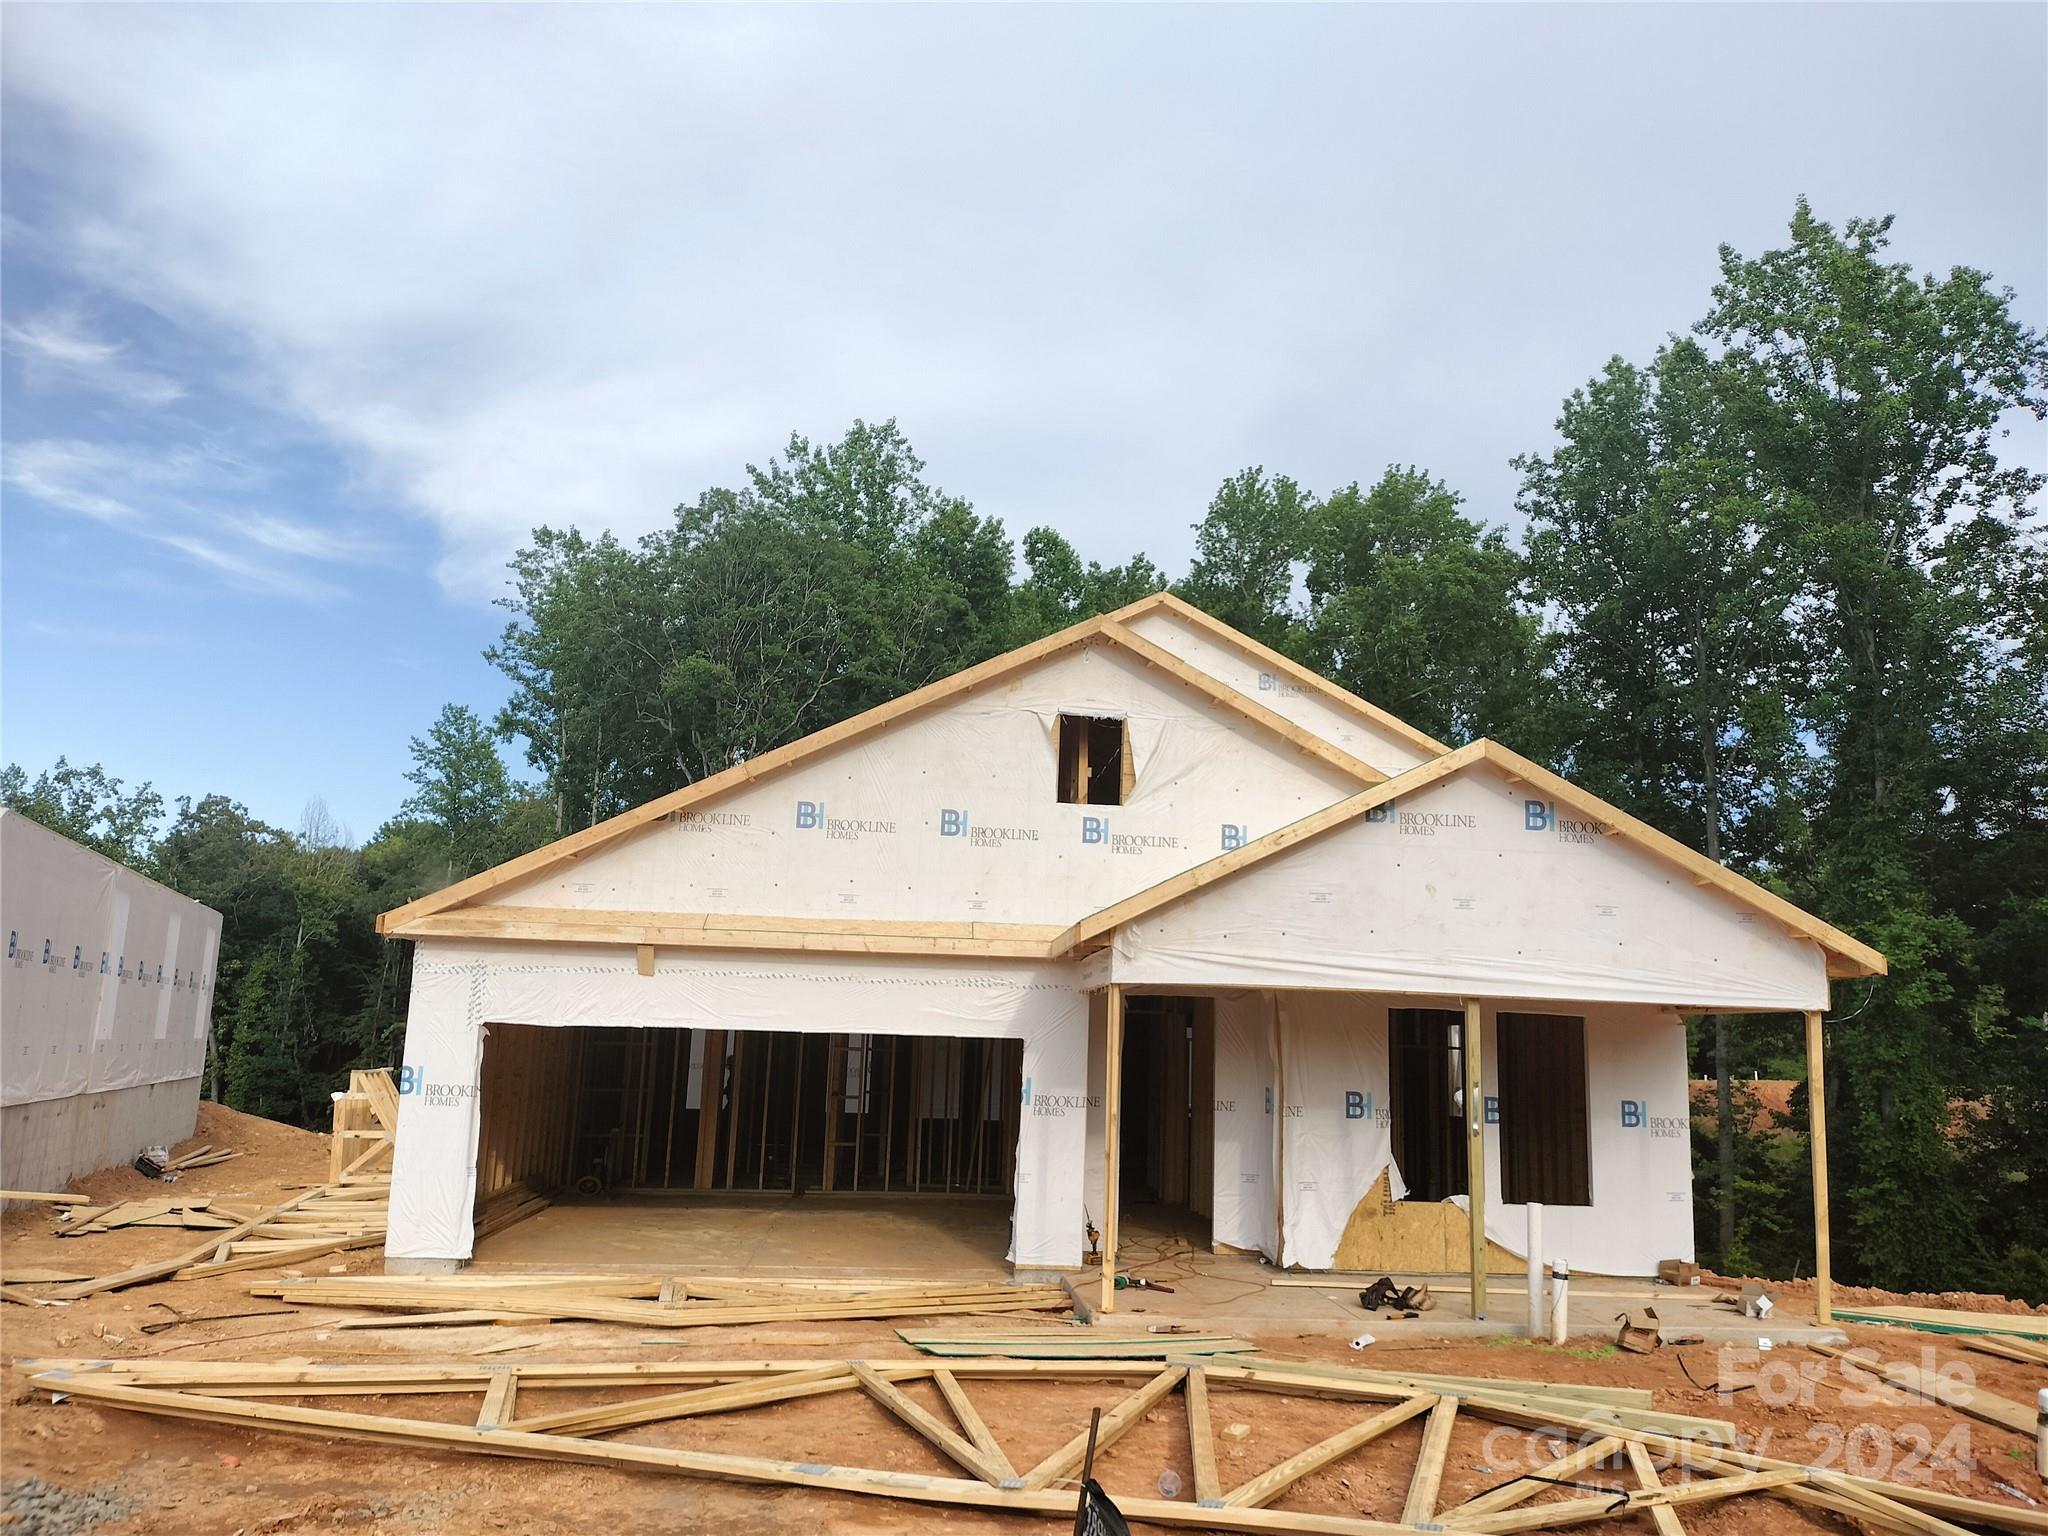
point(181, 1477)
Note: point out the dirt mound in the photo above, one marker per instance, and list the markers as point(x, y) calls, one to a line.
point(1853, 1296)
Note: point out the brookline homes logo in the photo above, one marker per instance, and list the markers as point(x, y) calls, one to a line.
point(959, 824)
point(1280, 687)
point(706, 821)
point(1636, 1116)
point(1095, 832)
point(435, 1095)
point(811, 817)
point(1057, 1106)
point(1541, 816)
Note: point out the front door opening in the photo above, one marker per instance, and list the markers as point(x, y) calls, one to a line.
point(1167, 1141)
point(1427, 1046)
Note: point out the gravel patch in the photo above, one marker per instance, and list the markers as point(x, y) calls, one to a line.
point(35, 1508)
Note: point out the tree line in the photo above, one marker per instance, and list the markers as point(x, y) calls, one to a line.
point(1778, 591)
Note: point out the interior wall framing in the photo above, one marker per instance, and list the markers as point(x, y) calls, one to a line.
point(622, 1111)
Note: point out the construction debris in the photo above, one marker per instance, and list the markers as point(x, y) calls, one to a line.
point(1638, 1333)
point(1072, 1344)
point(691, 1303)
point(511, 1422)
point(156, 1163)
point(1946, 1320)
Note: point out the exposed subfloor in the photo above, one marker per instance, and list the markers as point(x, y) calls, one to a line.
point(912, 1237)
point(900, 1237)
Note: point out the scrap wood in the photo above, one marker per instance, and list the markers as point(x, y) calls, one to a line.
point(26, 1276)
point(1424, 1381)
point(1949, 1320)
point(21, 1298)
point(2026, 1351)
point(46, 1199)
point(1975, 1401)
point(1072, 1344)
point(226, 1391)
point(565, 1302)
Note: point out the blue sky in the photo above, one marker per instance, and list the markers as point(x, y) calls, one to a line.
point(310, 313)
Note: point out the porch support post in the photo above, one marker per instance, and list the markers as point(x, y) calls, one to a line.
point(1475, 1154)
point(1817, 1119)
point(1112, 1106)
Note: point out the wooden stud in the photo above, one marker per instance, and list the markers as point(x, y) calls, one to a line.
point(501, 1400)
point(1473, 1050)
point(1112, 1107)
point(779, 1388)
point(1260, 1491)
point(709, 1087)
point(1543, 1517)
point(1428, 1477)
point(1508, 1495)
point(897, 1402)
point(1202, 1440)
point(971, 1421)
point(1817, 1150)
point(1662, 1516)
point(1116, 1423)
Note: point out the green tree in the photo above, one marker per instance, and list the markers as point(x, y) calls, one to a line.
point(1417, 608)
point(88, 806)
point(461, 787)
point(1246, 549)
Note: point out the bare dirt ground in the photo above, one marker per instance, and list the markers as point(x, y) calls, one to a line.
point(167, 1476)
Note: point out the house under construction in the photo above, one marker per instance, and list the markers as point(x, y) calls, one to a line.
point(1141, 911)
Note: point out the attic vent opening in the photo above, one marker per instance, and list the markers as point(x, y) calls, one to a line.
point(1094, 760)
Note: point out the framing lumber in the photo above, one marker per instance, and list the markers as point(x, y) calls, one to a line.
point(1847, 956)
point(689, 930)
point(1817, 1152)
point(1472, 1041)
point(1303, 741)
point(1932, 1386)
point(1258, 1492)
point(1112, 1127)
point(200, 1255)
point(44, 1198)
point(976, 1426)
point(1202, 1440)
point(406, 921)
point(501, 1397)
point(336, 1424)
point(1115, 1425)
point(955, 1446)
point(1545, 1517)
point(1662, 1516)
point(1420, 1506)
point(682, 1405)
point(1236, 640)
point(1533, 1482)
point(224, 1392)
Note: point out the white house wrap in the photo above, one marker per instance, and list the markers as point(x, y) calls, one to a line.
point(1287, 906)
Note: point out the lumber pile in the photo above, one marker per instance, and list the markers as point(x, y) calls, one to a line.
point(1949, 1320)
point(200, 1214)
point(171, 1167)
point(2026, 1351)
point(1075, 1343)
point(661, 1302)
point(1613, 1474)
point(365, 1125)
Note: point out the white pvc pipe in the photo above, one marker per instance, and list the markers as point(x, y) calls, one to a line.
point(1534, 1251)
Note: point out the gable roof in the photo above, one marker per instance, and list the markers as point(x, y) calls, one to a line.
point(1846, 956)
point(1285, 666)
point(1106, 629)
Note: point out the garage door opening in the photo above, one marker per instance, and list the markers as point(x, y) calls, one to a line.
point(642, 1111)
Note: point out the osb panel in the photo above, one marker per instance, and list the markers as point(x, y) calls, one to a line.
point(1413, 1236)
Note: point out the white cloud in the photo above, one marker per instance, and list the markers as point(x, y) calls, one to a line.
point(537, 264)
point(186, 500)
point(58, 344)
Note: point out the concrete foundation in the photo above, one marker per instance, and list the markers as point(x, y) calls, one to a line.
point(46, 1144)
